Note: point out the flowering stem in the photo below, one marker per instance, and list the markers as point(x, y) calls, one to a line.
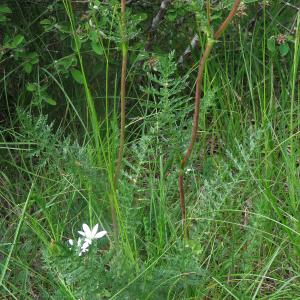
point(209, 46)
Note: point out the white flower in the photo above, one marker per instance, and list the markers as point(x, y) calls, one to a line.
point(82, 245)
point(90, 235)
point(188, 170)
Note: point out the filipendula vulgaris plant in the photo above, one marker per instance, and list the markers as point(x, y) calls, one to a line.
point(151, 163)
point(166, 109)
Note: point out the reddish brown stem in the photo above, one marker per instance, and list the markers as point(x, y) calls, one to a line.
point(208, 48)
point(156, 21)
point(230, 16)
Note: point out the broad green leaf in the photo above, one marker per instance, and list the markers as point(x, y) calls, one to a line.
point(64, 64)
point(18, 39)
point(271, 44)
point(4, 9)
point(34, 58)
point(31, 87)
point(97, 48)
point(171, 17)
point(142, 16)
point(50, 100)
point(94, 36)
point(77, 75)
point(284, 49)
point(68, 62)
point(45, 22)
point(73, 45)
point(27, 67)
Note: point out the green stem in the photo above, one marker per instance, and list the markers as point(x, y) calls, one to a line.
point(122, 98)
point(123, 92)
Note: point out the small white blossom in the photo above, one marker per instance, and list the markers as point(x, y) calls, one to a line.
point(90, 235)
point(188, 170)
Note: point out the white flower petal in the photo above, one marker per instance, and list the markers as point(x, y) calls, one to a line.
point(83, 250)
point(79, 242)
point(87, 230)
point(94, 230)
point(88, 241)
point(71, 242)
point(85, 245)
point(100, 234)
point(82, 233)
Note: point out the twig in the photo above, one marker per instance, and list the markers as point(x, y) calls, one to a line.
point(291, 5)
point(209, 46)
point(156, 21)
point(188, 50)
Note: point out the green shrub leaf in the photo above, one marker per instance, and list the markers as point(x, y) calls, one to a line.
point(31, 87)
point(284, 49)
point(27, 67)
point(4, 9)
point(18, 39)
point(77, 75)
point(50, 101)
point(97, 48)
point(271, 44)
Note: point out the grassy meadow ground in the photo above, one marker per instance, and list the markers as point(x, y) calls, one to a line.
point(57, 161)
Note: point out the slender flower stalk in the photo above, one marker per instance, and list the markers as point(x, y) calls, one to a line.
point(156, 21)
point(209, 46)
point(122, 123)
point(123, 91)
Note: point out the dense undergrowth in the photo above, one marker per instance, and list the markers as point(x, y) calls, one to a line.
point(60, 66)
